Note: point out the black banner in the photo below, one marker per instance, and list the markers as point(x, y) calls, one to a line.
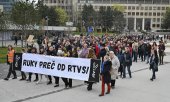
point(94, 70)
point(17, 61)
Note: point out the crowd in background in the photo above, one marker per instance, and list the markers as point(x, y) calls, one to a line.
point(117, 55)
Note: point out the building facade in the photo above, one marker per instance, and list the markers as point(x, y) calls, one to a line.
point(7, 4)
point(68, 5)
point(139, 14)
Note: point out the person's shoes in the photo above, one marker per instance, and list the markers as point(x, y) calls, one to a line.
point(14, 78)
point(57, 85)
point(107, 92)
point(35, 80)
point(89, 88)
point(29, 80)
point(49, 83)
point(101, 95)
point(22, 79)
point(113, 87)
point(6, 79)
point(151, 79)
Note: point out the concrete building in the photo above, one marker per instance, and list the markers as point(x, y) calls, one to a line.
point(7, 4)
point(68, 5)
point(139, 14)
point(1, 8)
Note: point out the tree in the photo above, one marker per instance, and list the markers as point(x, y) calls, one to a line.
point(166, 20)
point(3, 24)
point(118, 21)
point(24, 16)
point(109, 18)
point(62, 16)
point(88, 16)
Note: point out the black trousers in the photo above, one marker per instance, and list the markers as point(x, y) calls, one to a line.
point(161, 57)
point(90, 84)
point(11, 71)
point(23, 75)
point(30, 76)
point(113, 83)
point(56, 79)
point(153, 74)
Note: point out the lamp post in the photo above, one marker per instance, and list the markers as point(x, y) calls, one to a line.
point(46, 18)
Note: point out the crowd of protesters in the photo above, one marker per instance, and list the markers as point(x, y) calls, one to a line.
point(116, 54)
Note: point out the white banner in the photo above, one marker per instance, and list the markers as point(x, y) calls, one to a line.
point(74, 68)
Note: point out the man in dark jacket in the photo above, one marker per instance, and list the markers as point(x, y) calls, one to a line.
point(127, 62)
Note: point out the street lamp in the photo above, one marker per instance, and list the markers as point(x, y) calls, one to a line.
point(46, 18)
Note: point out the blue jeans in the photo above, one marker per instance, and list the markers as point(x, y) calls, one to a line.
point(124, 71)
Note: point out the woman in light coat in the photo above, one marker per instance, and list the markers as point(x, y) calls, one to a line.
point(115, 66)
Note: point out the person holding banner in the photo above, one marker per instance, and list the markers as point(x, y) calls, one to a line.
point(34, 51)
point(10, 57)
point(105, 75)
point(42, 52)
point(92, 55)
point(52, 52)
point(23, 76)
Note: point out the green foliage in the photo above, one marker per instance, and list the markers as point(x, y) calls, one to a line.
point(3, 21)
point(24, 15)
point(62, 16)
point(166, 20)
point(111, 18)
point(118, 21)
point(88, 16)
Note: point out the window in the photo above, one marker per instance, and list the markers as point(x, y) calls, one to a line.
point(133, 13)
point(158, 8)
point(158, 14)
point(146, 8)
point(158, 25)
point(129, 7)
point(129, 13)
point(141, 13)
point(133, 7)
point(163, 8)
point(137, 13)
point(150, 8)
point(137, 8)
point(154, 14)
point(153, 25)
point(158, 19)
point(154, 19)
point(150, 13)
point(162, 14)
point(146, 14)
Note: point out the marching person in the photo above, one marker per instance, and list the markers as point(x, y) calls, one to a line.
point(114, 69)
point(41, 52)
point(23, 76)
point(127, 62)
point(105, 75)
point(161, 49)
point(51, 52)
point(154, 63)
point(10, 57)
point(33, 51)
point(92, 55)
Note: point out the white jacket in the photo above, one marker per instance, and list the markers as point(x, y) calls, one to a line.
point(115, 67)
